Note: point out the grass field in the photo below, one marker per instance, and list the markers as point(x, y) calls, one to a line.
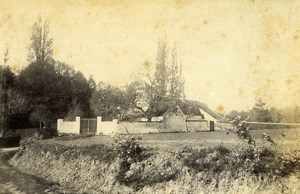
point(284, 138)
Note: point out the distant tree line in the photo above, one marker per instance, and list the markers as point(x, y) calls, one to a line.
point(261, 113)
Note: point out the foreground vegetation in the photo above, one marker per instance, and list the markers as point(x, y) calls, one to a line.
point(130, 164)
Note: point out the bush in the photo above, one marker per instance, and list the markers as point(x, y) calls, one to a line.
point(209, 159)
point(10, 141)
point(137, 170)
point(128, 151)
point(265, 163)
point(47, 133)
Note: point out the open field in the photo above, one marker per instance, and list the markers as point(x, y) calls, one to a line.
point(284, 138)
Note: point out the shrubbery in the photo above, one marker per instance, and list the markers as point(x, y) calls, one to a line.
point(128, 151)
point(10, 141)
point(212, 164)
point(263, 162)
point(138, 168)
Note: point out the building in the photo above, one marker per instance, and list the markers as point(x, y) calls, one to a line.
point(179, 115)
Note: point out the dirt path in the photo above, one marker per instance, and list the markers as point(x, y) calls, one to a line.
point(15, 182)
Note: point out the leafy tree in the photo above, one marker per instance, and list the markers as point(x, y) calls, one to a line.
point(135, 95)
point(55, 86)
point(50, 85)
point(82, 92)
point(149, 90)
point(40, 115)
point(38, 78)
point(74, 111)
point(73, 85)
point(261, 113)
point(18, 109)
point(143, 93)
point(109, 102)
point(41, 47)
point(242, 115)
point(92, 83)
point(8, 76)
point(14, 105)
point(17, 103)
point(232, 115)
point(290, 114)
point(7, 84)
point(161, 73)
point(276, 114)
point(176, 83)
point(37, 81)
point(3, 101)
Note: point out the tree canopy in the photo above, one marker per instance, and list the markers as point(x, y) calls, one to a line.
point(149, 90)
point(109, 102)
point(41, 43)
point(51, 86)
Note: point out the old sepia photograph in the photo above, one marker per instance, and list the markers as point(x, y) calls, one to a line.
point(149, 96)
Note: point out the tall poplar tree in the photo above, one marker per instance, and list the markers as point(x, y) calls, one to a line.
point(41, 44)
point(176, 82)
point(161, 73)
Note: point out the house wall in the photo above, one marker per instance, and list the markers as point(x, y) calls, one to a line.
point(174, 123)
point(196, 117)
point(177, 123)
point(198, 126)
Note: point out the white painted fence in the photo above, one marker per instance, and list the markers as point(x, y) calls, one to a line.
point(107, 127)
point(72, 127)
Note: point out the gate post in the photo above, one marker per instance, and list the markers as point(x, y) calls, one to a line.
point(99, 125)
point(77, 125)
point(59, 125)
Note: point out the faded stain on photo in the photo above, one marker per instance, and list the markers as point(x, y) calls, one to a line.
point(173, 96)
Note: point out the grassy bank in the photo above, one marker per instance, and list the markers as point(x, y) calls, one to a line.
point(127, 166)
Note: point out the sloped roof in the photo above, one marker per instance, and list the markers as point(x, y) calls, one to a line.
point(188, 107)
point(170, 104)
point(205, 108)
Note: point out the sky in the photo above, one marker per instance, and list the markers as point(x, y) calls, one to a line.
point(233, 52)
